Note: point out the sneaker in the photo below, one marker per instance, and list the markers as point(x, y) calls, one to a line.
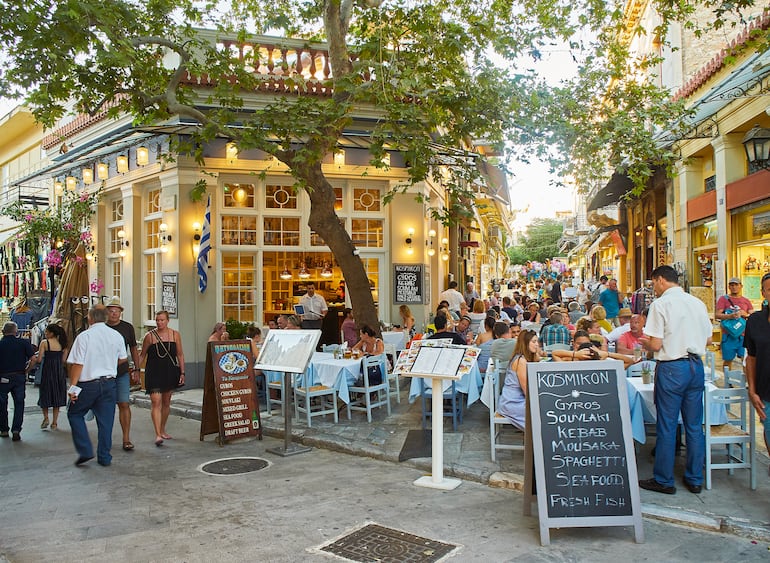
point(653, 485)
point(16, 437)
point(4, 434)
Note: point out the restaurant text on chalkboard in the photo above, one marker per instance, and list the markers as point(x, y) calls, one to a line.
point(407, 284)
point(169, 291)
point(585, 466)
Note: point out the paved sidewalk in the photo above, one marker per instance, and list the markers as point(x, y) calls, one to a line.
point(730, 506)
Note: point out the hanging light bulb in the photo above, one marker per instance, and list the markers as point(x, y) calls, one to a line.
point(142, 156)
point(326, 272)
point(88, 176)
point(303, 273)
point(102, 171)
point(58, 188)
point(285, 274)
point(72, 183)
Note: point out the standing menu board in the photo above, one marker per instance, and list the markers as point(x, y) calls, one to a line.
point(407, 284)
point(230, 368)
point(584, 460)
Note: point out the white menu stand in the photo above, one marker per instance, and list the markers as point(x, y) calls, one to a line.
point(437, 480)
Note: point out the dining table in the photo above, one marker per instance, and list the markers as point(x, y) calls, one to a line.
point(469, 383)
point(641, 404)
point(325, 369)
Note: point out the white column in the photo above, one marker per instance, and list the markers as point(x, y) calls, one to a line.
point(690, 184)
point(729, 166)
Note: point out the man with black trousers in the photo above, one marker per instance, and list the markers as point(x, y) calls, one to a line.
point(14, 354)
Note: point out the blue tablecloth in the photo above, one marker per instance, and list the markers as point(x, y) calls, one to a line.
point(470, 383)
point(641, 403)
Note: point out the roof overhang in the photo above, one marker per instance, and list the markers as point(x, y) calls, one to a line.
point(618, 186)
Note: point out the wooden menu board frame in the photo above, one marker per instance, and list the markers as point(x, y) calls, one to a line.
point(579, 439)
point(230, 401)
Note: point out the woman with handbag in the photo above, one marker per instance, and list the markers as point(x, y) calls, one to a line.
point(163, 372)
point(53, 383)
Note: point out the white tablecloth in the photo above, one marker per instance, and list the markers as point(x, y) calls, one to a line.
point(325, 370)
point(468, 384)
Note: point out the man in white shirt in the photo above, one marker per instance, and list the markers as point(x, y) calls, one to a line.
point(624, 318)
point(453, 297)
point(315, 308)
point(93, 367)
point(678, 329)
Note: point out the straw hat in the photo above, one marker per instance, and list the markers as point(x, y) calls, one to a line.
point(114, 302)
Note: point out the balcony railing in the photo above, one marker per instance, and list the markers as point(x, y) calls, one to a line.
point(32, 197)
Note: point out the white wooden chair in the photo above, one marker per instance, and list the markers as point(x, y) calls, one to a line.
point(735, 378)
point(390, 350)
point(366, 397)
point(737, 435)
point(277, 388)
point(314, 400)
point(497, 421)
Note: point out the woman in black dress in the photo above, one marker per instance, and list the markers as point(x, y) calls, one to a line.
point(53, 383)
point(163, 371)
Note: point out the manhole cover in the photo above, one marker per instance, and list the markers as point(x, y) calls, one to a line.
point(234, 465)
point(375, 543)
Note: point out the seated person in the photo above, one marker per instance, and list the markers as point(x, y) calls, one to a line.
point(584, 349)
point(488, 334)
point(349, 332)
point(504, 342)
point(513, 397)
point(632, 338)
point(368, 344)
point(555, 332)
point(594, 331)
point(219, 333)
point(441, 331)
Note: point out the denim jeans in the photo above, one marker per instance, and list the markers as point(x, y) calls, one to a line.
point(100, 397)
point(679, 388)
point(15, 387)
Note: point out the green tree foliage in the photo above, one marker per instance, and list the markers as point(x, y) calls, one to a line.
point(430, 74)
point(539, 243)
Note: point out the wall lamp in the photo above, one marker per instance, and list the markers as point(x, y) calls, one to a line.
point(164, 236)
point(339, 158)
point(408, 241)
point(122, 163)
point(429, 242)
point(231, 151)
point(58, 187)
point(757, 145)
point(445, 252)
point(88, 175)
point(142, 156)
point(71, 183)
point(123, 243)
point(102, 170)
point(196, 240)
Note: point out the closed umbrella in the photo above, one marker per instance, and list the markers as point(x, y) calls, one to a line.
point(71, 305)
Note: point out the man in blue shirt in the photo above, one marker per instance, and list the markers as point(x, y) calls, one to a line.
point(14, 355)
point(610, 299)
point(555, 332)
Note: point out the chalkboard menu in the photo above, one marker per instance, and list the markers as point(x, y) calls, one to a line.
point(169, 290)
point(407, 284)
point(584, 460)
point(230, 367)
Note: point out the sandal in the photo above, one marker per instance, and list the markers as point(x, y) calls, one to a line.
point(44, 424)
point(128, 446)
point(166, 437)
point(54, 426)
point(158, 442)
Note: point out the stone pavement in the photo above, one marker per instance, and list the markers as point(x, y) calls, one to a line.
point(730, 506)
point(153, 504)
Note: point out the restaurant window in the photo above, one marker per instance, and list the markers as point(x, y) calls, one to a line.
point(115, 241)
point(238, 229)
point(282, 231)
point(152, 234)
point(280, 197)
point(116, 275)
point(239, 287)
point(150, 284)
point(153, 202)
point(116, 210)
point(367, 199)
point(239, 195)
point(367, 232)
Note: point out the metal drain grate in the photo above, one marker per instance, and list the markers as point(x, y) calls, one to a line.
point(378, 544)
point(234, 466)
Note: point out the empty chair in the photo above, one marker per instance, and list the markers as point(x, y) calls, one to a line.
point(737, 436)
point(392, 355)
point(314, 400)
point(366, 397)
point(453, 403)
point(274, 390)
point(497, 421)
point(735, 378)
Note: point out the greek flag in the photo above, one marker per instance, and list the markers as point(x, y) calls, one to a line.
point(203, 252)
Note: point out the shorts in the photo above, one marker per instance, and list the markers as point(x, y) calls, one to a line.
point(766, 422)
point(731, 347)
point(123, 383)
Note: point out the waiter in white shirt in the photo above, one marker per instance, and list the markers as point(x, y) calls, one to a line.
point(314, 306)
